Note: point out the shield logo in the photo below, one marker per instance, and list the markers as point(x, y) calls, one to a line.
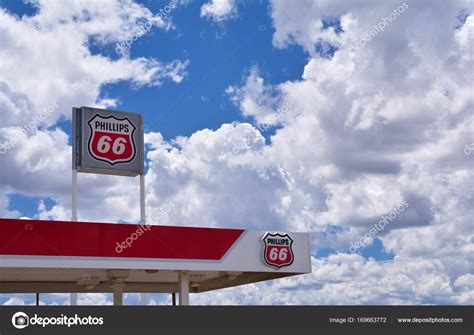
point(278, 250)
point(111, 139)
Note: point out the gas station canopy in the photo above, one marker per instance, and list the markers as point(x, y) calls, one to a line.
point(55, 256)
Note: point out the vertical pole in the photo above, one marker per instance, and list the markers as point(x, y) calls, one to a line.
point(73, 299)
point(142, 199)
point(37, 299)
point(143, 296)
point(118, 293)
point(75, 115)
point(144, 299)
point(183, 288)
point(73, 296)
point(173, 299)
point(142, 173)
point(74, 196)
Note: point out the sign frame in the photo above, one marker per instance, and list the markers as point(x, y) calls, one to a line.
point(84, 161)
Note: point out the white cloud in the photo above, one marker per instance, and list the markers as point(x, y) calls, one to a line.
point(15, 301)
point(4, 206)
point(344, 279)
point(52, 48)
point(94, 299)
point(255, 98)
point(368, 129)
point(219, 10)
point(209, 184)
point(45, 61)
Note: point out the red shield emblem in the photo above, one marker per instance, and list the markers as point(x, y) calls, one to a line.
point(111, 139)
point(278, 249)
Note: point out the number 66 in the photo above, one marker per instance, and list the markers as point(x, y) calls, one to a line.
point(281, 255)
point(118, 147)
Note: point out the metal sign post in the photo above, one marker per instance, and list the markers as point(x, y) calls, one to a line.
point(142, 199)
point(107, 142)
point(143, 296)
point(73, 296)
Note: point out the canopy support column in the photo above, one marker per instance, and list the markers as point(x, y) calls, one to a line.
point(118, 293)
point(183, 288)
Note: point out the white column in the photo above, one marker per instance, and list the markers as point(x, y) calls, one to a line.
point(73, 296)
point(144, 299)
point(73, 299)
point(142, 199)
point(143, 296)
point(74, 196)
point(183, 288)
point(118, 293)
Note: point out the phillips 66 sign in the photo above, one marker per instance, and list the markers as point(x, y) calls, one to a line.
point(278, 249)
point(107, 141)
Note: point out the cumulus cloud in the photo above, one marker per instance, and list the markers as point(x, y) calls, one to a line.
point(374, 127)
point(219, 10)
point(210, 184)
point(368, 129)
point(15, 301)
point(255, 99)
point(47, 66)
point(5, 212)
point(343, 279)
point(52, 48)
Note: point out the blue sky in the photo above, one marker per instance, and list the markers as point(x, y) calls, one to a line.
point(221, 56)
point(365, 130)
